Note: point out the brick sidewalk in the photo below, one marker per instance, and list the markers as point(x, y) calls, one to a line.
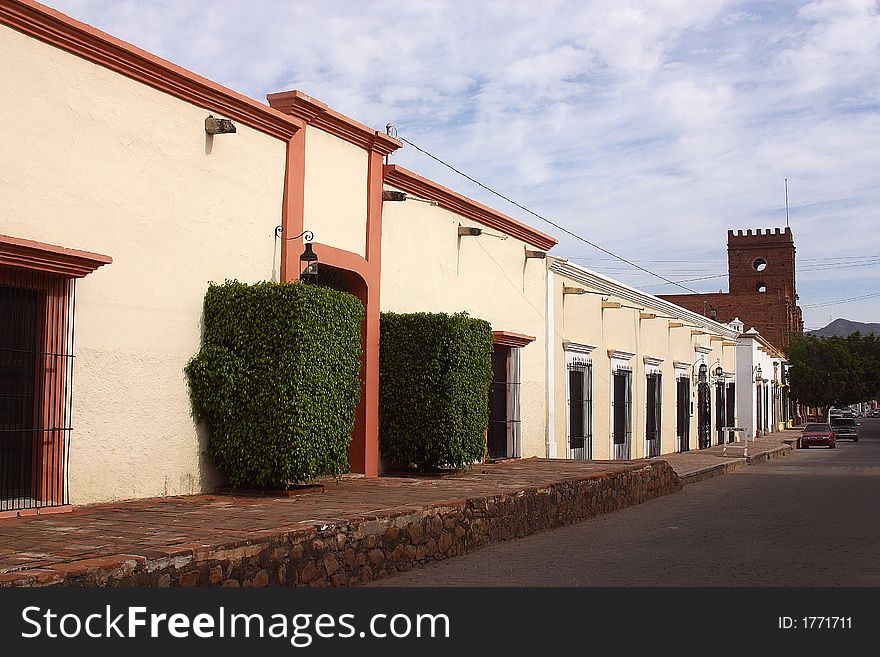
point(353, 531)
point(698, 465)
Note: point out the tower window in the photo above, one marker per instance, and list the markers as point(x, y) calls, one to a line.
point(760, 287)
point(759, 264)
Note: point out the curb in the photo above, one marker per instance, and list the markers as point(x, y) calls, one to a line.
point(723, 468)
point(364, 548)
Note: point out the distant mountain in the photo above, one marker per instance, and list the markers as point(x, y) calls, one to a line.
point(844, 327)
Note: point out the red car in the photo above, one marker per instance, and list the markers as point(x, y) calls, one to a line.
point(817, 434)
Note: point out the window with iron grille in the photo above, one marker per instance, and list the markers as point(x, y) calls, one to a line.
point(683, 412)
point(36, 373)
point(759, 425)
point(580, 409)
point(622, 412)
point(503, 439)
point(653, 413)
point(730, 410)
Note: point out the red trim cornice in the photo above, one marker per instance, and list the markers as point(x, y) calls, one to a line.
point(314, 112)
point(85, 41)
point(508, 339)
point(28, 254)
point(412, 183)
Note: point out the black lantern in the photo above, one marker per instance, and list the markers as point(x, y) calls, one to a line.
point(702, 372)
point(719, 372)
point(308, 264)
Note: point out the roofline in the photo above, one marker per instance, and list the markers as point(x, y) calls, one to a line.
point(410, 182)
point(84, 41)
point(40, 256)
point(754, 333)
point(615, 288)
point(313, 112)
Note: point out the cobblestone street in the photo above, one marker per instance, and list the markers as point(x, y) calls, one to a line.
point(809, 519)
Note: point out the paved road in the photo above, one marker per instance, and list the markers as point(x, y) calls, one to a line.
point(808, 519)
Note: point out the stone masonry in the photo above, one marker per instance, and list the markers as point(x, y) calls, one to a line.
point(366, 548)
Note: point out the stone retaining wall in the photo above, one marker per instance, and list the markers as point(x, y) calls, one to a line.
point(365, 549)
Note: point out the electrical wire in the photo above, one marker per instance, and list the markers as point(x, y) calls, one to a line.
point(840, 301)
point(545, 219)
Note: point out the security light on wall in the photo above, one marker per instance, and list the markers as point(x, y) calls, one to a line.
point(394, 195)
point(473, 231)
point(216, 126)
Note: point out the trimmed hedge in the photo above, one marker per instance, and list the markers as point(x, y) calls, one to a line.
point(434, 375)
point(277, 380)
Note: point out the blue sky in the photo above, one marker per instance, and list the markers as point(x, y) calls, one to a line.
point(648, 127)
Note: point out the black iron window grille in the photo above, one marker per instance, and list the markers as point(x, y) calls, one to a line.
point(720, 409)
point(621, 403)
point(730, 409)
point(653, 413)
point(580, 409)
point(503, 438)
point(36, 374)
point(683, 413)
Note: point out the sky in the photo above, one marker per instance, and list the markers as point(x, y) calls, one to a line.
point(648, 127)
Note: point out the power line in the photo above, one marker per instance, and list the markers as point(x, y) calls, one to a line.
point(839, 301)
point(542, 218)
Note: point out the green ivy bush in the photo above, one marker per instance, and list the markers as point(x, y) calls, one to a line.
point(277, 380)
point(434, 375)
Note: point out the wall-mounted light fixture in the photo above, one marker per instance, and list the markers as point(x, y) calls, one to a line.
point(472, 231)
point(394, 195)
point(391, 195)
point(217, 126)
point(308, 263)
point(308, 259)
point(756, 373)
point(702, 372)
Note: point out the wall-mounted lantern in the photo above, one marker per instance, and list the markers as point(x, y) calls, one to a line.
point(702, 373)
point(756, 373)
point(308, 265)
point(308, 260)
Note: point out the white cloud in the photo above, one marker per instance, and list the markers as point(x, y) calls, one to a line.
point(648, 126)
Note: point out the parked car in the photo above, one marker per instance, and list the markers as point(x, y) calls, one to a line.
point(875, 412)
point(817, 434)
point(845, 427)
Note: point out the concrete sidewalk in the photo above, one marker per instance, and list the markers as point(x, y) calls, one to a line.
point(353, 531)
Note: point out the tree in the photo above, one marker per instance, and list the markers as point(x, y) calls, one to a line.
point(834, 371)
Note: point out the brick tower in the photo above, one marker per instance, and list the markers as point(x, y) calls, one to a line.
point(761, 280)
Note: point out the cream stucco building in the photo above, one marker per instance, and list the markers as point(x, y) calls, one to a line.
point(632, 375)
point(120, 204)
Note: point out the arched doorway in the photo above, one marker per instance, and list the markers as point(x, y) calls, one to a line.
point(345, 280)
